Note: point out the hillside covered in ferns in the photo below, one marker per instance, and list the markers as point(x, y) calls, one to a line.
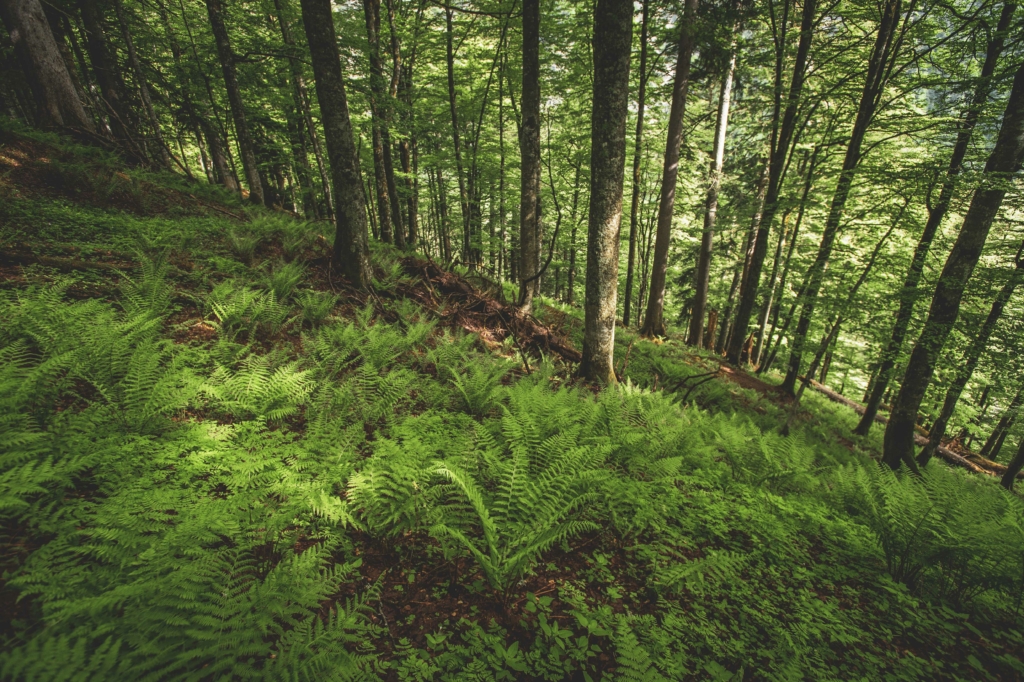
point(511, 340)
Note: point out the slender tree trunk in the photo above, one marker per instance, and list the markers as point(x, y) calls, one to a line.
point(703, 277)
point(654, 324)
point(351, 251)
point(634, 209)
point(442, 204)
point(529, 146)
point(886, 46)
point(57, 102)
point(995, 440)
point(456, 144)
point(1004, 160)
point(970, 362)
point(215, 10)
point(726, 328)
point(502, 267)
point(782, 137)
point(612, 38)
point(574, 220)
point(1013, 468)
point(140, 77)
point(108, 77)
point(909, 293)
point(769, 298)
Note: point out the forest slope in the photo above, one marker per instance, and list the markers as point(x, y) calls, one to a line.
point(218, 462)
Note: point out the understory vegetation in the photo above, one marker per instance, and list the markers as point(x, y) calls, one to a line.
point(218, 463)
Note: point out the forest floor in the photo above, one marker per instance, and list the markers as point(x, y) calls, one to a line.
point(218, 461)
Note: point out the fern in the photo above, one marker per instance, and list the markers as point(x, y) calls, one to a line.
point(530, 495)
point(258, 389)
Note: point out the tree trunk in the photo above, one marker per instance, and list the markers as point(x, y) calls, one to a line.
point(108, 77)
point(574, 220)
point(886, 47)
point(140, 76)
point(936, 213)
point(654, 324)
point(634, 209)
point(703, 277)
point(808, 184)
point(723, 334)
point(1004, 160)
point(529, 147)
point(995, 440)
point(769, 298)
point(612, 38)
point(351, 251)
point(442, 204)
point(1013, 468)
point(215, 10)
point(57, 102)
point(454, 110)
point(970, 362)
point(780, 143)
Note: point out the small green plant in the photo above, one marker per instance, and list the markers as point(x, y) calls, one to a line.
point(239, 309)
point(243, 244)
point(283, 279)
point(519, 498)
point(316, 306)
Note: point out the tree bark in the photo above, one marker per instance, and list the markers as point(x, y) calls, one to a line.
point(909, 293)
point(782, 137)
point(108, 77)
point(886, 47)
point(140, 76)
point(995, 440)
point(703, 277)
point(456, 143)
point(351, 251)
point(654, 324)
point(1013, 468)
point(612, 38)
point(529, 148)
point(215, 10)
point(57, 102)
point(1004, 160)
point(634, 208)
point(970, 362)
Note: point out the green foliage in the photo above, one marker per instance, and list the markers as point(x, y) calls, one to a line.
point(282, 280)
point(945, 531)
point(238, 309)
point(527, 493)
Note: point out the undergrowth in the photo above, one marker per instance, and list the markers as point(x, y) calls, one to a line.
point(326, 488)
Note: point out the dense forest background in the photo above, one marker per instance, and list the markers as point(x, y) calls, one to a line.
point(819, 195)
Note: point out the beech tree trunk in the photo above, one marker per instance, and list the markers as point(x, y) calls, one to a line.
point(215, 10)
point(529, 149)
point(1004, 160)
point(109, 80)
point(1013, 468)
point(57, 102)
point(654, 324)
point(886, 46)
point(140, 77)
point(781, 139)
point(351, 251)
point(456, 142)
point(703, 276)
point(612, 37)
point(995, 440)
point(970, 362)
point(634, 208)
point(909, 293)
